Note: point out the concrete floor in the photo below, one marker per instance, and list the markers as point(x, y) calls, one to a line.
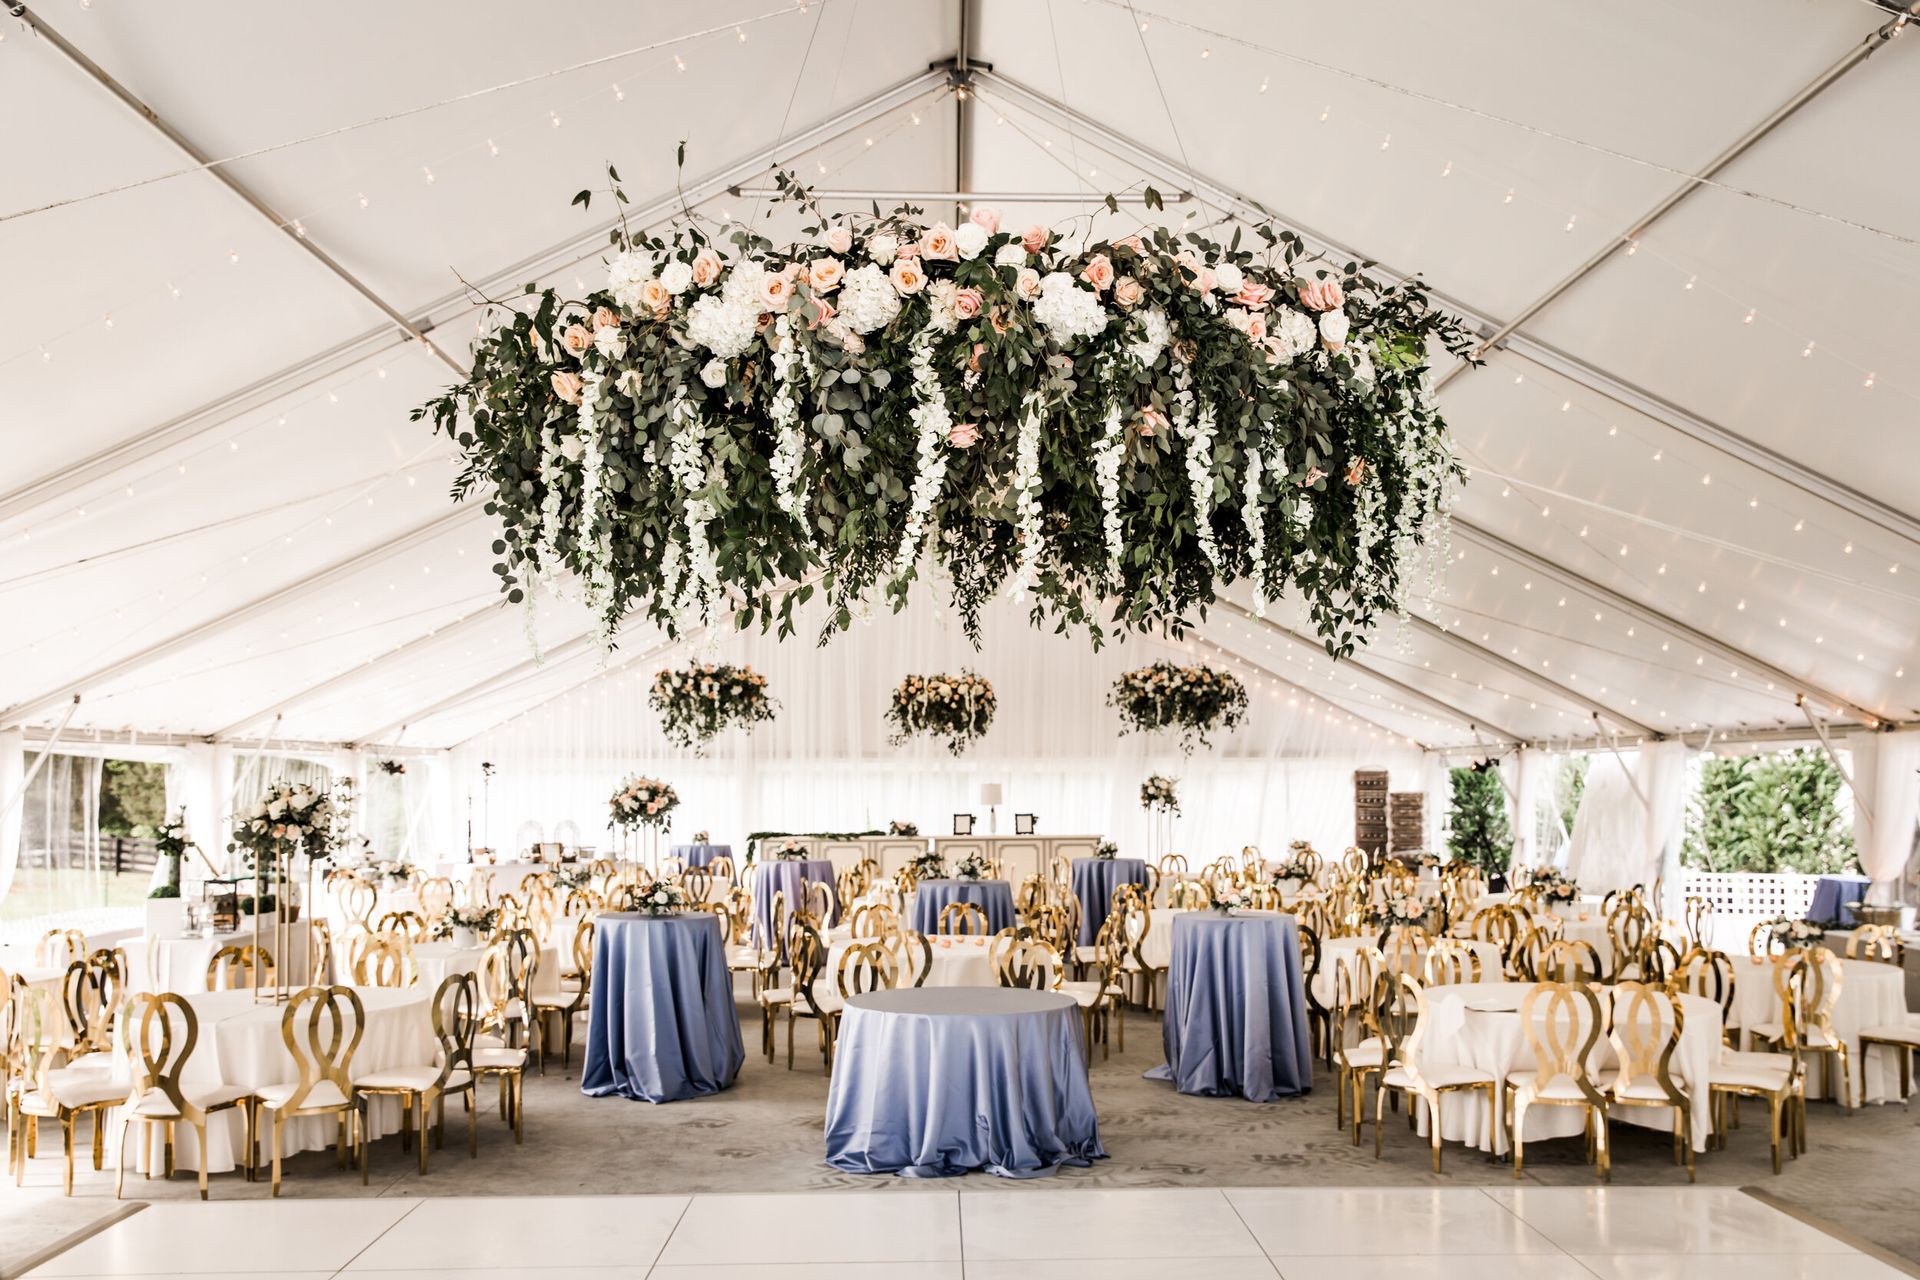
point(1862, 1174)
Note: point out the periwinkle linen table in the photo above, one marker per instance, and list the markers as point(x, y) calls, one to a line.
point(1831, 894)
point(699, 855)
point(788, 876)
point(932, 1082)
point(661, 1024)
point(931, 897)
point(1094, 880)
point(1236, 1019)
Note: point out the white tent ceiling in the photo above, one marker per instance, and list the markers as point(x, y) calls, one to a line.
point(1694, 495)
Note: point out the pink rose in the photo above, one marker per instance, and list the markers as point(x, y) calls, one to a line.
point(839, 239)
point(966, 303)
point(1098, 272)
point(605, 318)
point(937, 243)
point(1251, 323)
point(907, 276)
point(576, 339)
point(988, 220)
point(776, 289)
point(1127, 292)
point(1131, 242)
point(1253, 294)
point(824, 274)
point(1151, 422)
point(1321, 295)
point(706, 267)
point(1027, 283)
point(962, 434)
point(1204, 282)
point(567, 386)
point(1035, 238)
point(823, 311)
point(908, 249)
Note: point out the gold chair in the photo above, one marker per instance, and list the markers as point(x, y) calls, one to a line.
point(409, 923)
point(356, 898)
point(1356, 981)
point(1778, 1078)
point(1630, 930)
point(1451, 961)
point(423, 1089)
point(319, 952)
point(231, 968)
point(698, 882)
point(506, 975)
point(91, 992)
point(1560, 1039)
point(38, 1090)
point(805, 957)
point(1399, 1013)
point(1878, 942)
point(161, 1032)
point(1647, 1023)
point(569, 1003)
point(435, 897)
point(315, 1027)
point(915, 953)
point(1709, 974)
point(1806, 1005)
point(873, 920)
point(1567, 961)
point(1698, 913)
point(58, 947)
point(863, 966)
point(1903, 1039)
point(386, 961)
point(1500, 925)
point(959, 919)
point(1136, 925)
point(808, 956)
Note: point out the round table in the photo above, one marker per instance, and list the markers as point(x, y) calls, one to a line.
point(435, 961)
point(1335, 952)
point(931, 897)
point(929, 1083)
point(661, 1023)
point(1872, 994)
point(699, 855)
point(240, 1045)
point(789, 876)
point(179, 964)
point(956, 962)
point(1094, 880)
point(1236, 1016)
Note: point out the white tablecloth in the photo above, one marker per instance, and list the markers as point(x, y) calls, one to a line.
point(1871, 995)
point(436, 960)
point(1335, 952)
point(957, 962)
point(179, 964)
point(1494, 1041)
point(240, 1045)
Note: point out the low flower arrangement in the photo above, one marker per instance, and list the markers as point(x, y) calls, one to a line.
point(1397, 909)
point(1298, 867)
point(1795, 933)
point(700, 837)
point(957, 708)
point(1233, 898)
point(973, 867)
point(476, 920)
point(789, 850)
point(897, 828)
point(1195, 700)
point(642, 802)
point(697, 701)
point(1106, 851)
point(1555, 889)
point(656, 897)
point(572, 876)
point(928, 866)
point(289, 818)
point(1159, 795)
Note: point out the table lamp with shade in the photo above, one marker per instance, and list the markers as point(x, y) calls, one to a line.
point(990, 797)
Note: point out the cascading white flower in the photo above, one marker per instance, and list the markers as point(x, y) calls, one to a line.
point(1026, 493)
point(553, 465)
point(931, 416)
point(1108, 454)
point(790, 361)
point(594, 534)
point(1196, 432)
point(1254, 516)
point(686, 458)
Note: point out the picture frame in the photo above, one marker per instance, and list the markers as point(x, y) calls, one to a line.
point(1024, 823)
point(963, 824)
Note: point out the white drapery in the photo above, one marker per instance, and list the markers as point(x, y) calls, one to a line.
point(1886, 785)
point(13, 776)
point(1631, 820)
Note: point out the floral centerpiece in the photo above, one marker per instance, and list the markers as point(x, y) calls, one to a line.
point(291, 817)
point(1165, 695)
point(696, 702)
point(898, 828)
point(957, 708)
point(1300, 863)
point(639, 802)
point(1231, 898)
point(1106, 851)
point(1397, 909)
point(790, 850)
point(656, 897)
point(700, 837)
point(572, 875)
point(1792, 933)
point(171, 845)
point(1158, 795)
point(1555, 889)
point(467, 925)
point(1144, 419)
point(927, 866)
point(975, 866)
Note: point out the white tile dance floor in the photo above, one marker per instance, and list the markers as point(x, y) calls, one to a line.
point(999, 1233)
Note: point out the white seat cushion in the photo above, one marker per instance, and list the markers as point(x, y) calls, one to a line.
point(156, 1105)
point(1772, 1031)
point(1440, 1077)
point(1646, 1089)
point(497, 1058)
point(324, 1094)
point(1368, 1053)
point(776, 995)
point(1085, 994)
point(1905, 1033)
point(1561, 1088)
point(414, 1078)
point(1745, 1075)
point(69, 1088)
point(102, 1061)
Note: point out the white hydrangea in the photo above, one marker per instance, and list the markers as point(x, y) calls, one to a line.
point(867, 299)
point(1362, 361)
point(1225, 274)
point(970, 239)
point(1066, 310)
point(1010, 254)
point(625, 274)
point(722, 325)
point(940, 303)
point(743, 283)
point(1293, 333)
point(676, 278)
point(1154, 332)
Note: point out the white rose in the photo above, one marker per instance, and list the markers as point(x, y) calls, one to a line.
point(1229, 277)
point(882, 248)
point(676, 277)
point(1010, 254)
point(1333, 329)
point(970, 239)
point(714, 373)
point(610, 342)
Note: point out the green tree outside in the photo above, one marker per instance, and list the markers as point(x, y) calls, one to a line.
point(133, 797)
point(1774, 812)
point(1480, 834)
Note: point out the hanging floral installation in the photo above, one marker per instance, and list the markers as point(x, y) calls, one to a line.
point(697, 701)
point(957, 708)
point(641, 802)
point(1165, 695)
point(1109, 430)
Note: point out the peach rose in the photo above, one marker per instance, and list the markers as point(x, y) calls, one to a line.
point(655, 298)
point(567, 386)
point(576, 339)
point(605, 318)
point(966, 303)
point(839, 239)
point(1356, 470)
point(1204, 282)
point(1134, 243)
point(1098, 272)
point(909, 249)
point(988, 220)
point(1127, 292)
point(776, 290)
point(823, 311)
point(962, 434)
point(792, 271)
point(1151, 422)
point(1027, 283)
point(706, 267)
point(824, 274)
point(1035, 238)
point(1253, 294)
point(937, 243)
point(1251, 323)
point(907, 276)
point(1321, 295)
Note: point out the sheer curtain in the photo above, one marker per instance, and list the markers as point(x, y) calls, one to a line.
point(826, 763)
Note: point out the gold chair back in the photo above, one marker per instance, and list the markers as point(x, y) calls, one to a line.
point(319, 951)
point(435, 896)
point(963, 918)
point(1030, 964)
point(1572, 961)
point(386, 961)
point(356, 898)
point(1879, 942)
point(1451, 961)
point(866, 966)
point(161, 1030)
point(232, 966)
point(874, 920)
point(322, 1027)
point(1562, 1022)
point(59, 947)
point(698, 882)
point(1698, 913)
point(411, 924)
point(1645, 1030)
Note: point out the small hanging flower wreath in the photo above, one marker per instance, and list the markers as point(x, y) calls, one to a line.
point(697, 701)
point(957, 708)
point(1194, 700)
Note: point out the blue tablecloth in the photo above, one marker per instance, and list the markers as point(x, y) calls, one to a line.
point(699, 855)
point(789, 877)
point(1831, 893)
point(1094, 880)
point(930, 898)
point(1236, 1020)
point(930, 1082)
point(661, 1022)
